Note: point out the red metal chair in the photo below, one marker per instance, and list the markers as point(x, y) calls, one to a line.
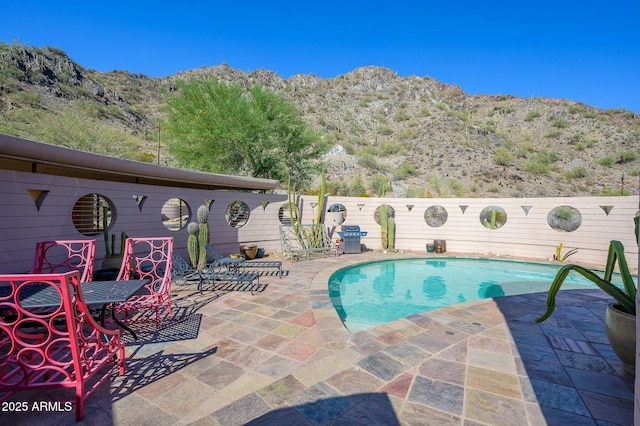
point(60, 347)
point(148, 258)
point(63, 256)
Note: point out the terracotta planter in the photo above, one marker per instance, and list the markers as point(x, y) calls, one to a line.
point(621, 330)
point(249, 251)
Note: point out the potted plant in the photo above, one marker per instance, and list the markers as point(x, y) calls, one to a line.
point(620, 317)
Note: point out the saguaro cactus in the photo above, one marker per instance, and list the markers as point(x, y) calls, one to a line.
point(203, 234)
point(492, 224)
point(384, 226)
point(320, 206)
point(391, 233)
point(192, 243)
point(110, 240)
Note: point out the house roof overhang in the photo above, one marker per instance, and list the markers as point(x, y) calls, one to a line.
point(35, 157)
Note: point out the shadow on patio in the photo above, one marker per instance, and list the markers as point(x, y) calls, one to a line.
point(566, 364)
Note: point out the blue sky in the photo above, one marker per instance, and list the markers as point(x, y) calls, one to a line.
point(585, 51)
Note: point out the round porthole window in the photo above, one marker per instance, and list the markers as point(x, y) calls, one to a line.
point(564, 219)
point(91, 212)
point(237, 214)
point(285, 211)
point(175, 214)
point(436, 216)
point(336, 214)
point(390, 213)
point(493, 217)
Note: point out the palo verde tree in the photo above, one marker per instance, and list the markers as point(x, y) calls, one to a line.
point(223, 128)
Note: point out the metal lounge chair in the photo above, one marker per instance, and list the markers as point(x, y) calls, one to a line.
point(221, 272)
point(220, 260)
point(182, 273)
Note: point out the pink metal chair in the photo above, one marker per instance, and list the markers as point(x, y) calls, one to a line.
point(60, 347)
point(148, 258)
point(63, 256)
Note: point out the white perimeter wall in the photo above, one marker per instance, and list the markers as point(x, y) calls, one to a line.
point(524, 235)
point(22, 224)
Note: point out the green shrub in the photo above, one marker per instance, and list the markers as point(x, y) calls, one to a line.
point(627, 156)
point(369, 150)
point(379, 185)
point(502, 157)
point(524, 150)
point(367, 161)
point(456, 187)
point(540, 162)
point(358, 187)
point(564, 212)
point(537, 167)
point(554, 134)
point(411, 191)
point(385, 130)
point(575, 109)
point(633, 171)
point(578, 172)
point(424, 112)
point(560, 123)
point(388, 148)
point(402, 116)
point(532, 115)
point(406, 170)
point(503, 109)
point(606, 161)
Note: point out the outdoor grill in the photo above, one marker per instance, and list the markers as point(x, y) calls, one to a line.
point(351, 235)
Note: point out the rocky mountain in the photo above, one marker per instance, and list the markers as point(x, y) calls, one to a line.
point(390, 135)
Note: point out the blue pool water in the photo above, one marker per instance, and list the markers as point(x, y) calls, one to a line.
point(374, 293)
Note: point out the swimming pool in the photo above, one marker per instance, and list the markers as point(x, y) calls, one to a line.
point(375, 293)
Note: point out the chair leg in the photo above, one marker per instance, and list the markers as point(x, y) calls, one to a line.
point(122, 361)
point(79, 403)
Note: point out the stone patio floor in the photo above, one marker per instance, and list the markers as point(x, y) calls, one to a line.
point(282, 357)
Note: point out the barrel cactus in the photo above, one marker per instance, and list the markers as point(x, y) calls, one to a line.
point(192, 243)
point(203, 234)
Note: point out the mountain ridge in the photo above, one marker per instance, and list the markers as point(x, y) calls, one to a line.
point(390, 135)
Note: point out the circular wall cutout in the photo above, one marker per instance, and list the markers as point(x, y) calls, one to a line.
point(285, 211)
point(493, 217)
point(390, 213)
point(237, 214)
point(89, 214)
point(336, 213)
point(175, 214)
point(436, 216)
point(564, 219)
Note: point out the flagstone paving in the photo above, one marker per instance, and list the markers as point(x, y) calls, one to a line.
point(283, 357)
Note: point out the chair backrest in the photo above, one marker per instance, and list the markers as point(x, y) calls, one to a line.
point(52, 338)
point(180, 267)
point(63, 256)
point(213, 252)
point(148, 258)
point(49, 339)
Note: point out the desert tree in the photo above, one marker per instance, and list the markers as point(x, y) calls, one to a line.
point(224, 128)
